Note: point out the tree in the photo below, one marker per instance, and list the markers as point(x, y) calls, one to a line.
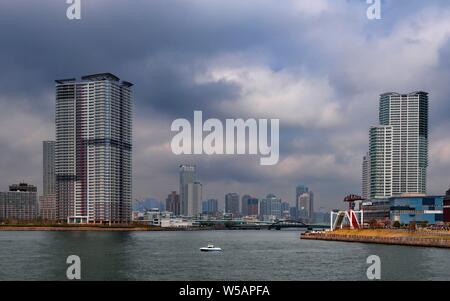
point(396, 224)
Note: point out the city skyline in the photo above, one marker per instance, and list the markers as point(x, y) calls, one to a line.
point(326, 100)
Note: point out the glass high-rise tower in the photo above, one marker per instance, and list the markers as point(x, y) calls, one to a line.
point(188, 175)
point(399, 146)
point(93, 149)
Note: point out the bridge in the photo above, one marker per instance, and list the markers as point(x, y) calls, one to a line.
point(295, 224)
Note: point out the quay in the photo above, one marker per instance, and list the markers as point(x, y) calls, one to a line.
point(420, 238)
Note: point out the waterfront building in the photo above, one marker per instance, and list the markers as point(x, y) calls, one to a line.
point(194, 198)
point(399, 146)
point(47, 202)
point(232, 203)
point(270, 207)
point(19, 203)
point(447, 207)
point(244, 203)
point(252, 207)
point(188, 175)
point(417, 209)
point(173, 203)
point(93, 149)
point(210, 207)
point(405, 209)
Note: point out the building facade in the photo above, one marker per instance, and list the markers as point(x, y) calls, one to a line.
point(405, 209)
point(210, 207)
point(447, 207)
point(427, 209)
point(252, 207)
point(270, 206)
point(173, 203)
point(299, 190)
point(19, 203)
point(244, 204)
point(47, 202)
point(366, 176)
point(188, 174)
point(194, 198)
point(399, 146)
point(93, 149)
point(232, 203)
point(380, 154)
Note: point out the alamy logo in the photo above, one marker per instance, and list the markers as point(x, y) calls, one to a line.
point(74, 270)
point(374, 10)
point(214, 143)
point(374, 270)
point(74, 10)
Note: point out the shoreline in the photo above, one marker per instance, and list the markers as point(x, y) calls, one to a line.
point(73, 228)
point(386, 237)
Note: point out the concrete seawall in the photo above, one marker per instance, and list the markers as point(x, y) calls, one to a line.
point(412, 240)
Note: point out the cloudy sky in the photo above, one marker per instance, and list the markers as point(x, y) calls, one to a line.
point(318, 66)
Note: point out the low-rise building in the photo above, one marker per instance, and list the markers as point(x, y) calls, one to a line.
point(19, 203)
point(405, 209)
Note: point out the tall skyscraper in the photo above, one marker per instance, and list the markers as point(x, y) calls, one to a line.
point(306, 203)
point(194, 198)
point(47, 202)
point(173, 203)
point(93, 149)
point(232, 203)
point(401, 138)
point(188, 174)
point(299, 190)
point(366, 176)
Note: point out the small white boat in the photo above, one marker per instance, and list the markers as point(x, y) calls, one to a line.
point(210, 248)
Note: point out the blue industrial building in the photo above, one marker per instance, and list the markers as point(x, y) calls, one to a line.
point(417, 209)
point(405, 209)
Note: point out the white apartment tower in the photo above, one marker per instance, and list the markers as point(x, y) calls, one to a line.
point(399, 146)
point(93, 149)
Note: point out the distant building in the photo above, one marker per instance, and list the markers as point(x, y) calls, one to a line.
point(270, 206)
point(188, 175)
point(299, 190)
point(447, 207)
point(244, 203)
point(22, 187)
point(252, 207)
point(232, 203)
point(210, 207)
point(173, 203)
point(194, 198)
point(47, 202)
point(306, 206)
point(48, 164)
point(19, 203)
point(47, 207)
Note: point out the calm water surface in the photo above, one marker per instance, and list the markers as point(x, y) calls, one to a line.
point(248, 255)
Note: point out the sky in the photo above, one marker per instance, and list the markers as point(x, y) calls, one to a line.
point(318, 66)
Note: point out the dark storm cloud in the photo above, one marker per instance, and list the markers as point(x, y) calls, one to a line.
point(163, 46)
